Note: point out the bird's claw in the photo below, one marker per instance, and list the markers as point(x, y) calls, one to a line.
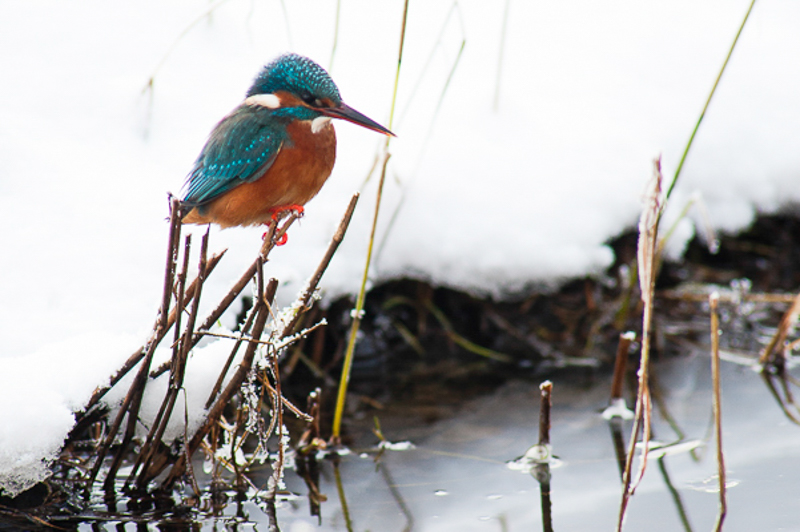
point(276, 215)
point(281, 240)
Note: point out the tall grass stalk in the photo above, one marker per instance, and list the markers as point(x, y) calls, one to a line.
point(359, 308)
point(708, 102)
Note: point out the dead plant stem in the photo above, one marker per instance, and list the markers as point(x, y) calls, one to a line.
point(646, 259)
point(713, 301)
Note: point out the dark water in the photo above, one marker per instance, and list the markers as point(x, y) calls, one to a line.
point(456, 477)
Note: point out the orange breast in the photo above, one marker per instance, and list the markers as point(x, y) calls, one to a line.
point(297, 174)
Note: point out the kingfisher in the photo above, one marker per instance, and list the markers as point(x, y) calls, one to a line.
point(274, 151)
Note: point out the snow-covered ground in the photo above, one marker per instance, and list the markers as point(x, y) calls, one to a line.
point(512, 176)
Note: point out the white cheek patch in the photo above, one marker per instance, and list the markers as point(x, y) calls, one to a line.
point(318, 123)
point(270, 101)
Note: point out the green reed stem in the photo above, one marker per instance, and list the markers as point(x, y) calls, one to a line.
point(359, 308)
point(711, 95)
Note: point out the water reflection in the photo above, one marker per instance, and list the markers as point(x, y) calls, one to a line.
point(456, 477)
point(463, 474)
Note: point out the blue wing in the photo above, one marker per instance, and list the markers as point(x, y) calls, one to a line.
point(240, 149)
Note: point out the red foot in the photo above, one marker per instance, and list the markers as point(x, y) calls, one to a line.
point(281, 241)
point(275, 212)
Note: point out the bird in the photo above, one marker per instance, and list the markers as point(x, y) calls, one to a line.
point(274, 151)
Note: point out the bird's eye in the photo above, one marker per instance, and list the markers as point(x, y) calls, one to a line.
point(311, 100)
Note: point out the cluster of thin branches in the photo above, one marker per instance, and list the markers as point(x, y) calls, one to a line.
point(251, 384)
point(772, 362)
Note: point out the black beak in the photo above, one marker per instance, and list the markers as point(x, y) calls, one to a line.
point(345, 112)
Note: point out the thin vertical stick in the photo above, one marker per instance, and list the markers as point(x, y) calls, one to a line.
point(624, 345)
point(544, 413)
point(278, 463)
point(713, 301)
point(542, 469)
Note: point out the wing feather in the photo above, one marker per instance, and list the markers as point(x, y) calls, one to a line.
point(240, 149)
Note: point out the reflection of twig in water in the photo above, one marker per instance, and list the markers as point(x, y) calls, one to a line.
point(340, 490)
point(676, 497)
point(663, 410)
point(773, 361)
point(618, 409)
point(783, 402)
point(398, 498)
point(615, 424)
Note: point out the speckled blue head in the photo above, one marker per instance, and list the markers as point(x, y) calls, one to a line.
point(297, 75)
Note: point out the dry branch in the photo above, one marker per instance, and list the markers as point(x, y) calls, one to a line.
point(713, 301)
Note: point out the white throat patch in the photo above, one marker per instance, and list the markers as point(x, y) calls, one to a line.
point(318, 123)
point(270, 101)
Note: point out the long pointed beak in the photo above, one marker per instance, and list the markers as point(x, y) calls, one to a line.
point(345, 112)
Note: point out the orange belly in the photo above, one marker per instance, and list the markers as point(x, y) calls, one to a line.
point(297, 174)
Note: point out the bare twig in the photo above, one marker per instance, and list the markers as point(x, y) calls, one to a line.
point(624, 345)
point(245, 329)
point(277, 464)
point(273, 235)
point(544, 412)
point(311, 287)
point(262, 313)
point(277, 345)
point(700, 297)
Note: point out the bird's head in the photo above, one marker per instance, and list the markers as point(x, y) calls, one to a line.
point(297, 87)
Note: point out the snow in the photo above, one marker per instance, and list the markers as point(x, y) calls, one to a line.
point(483, 199)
